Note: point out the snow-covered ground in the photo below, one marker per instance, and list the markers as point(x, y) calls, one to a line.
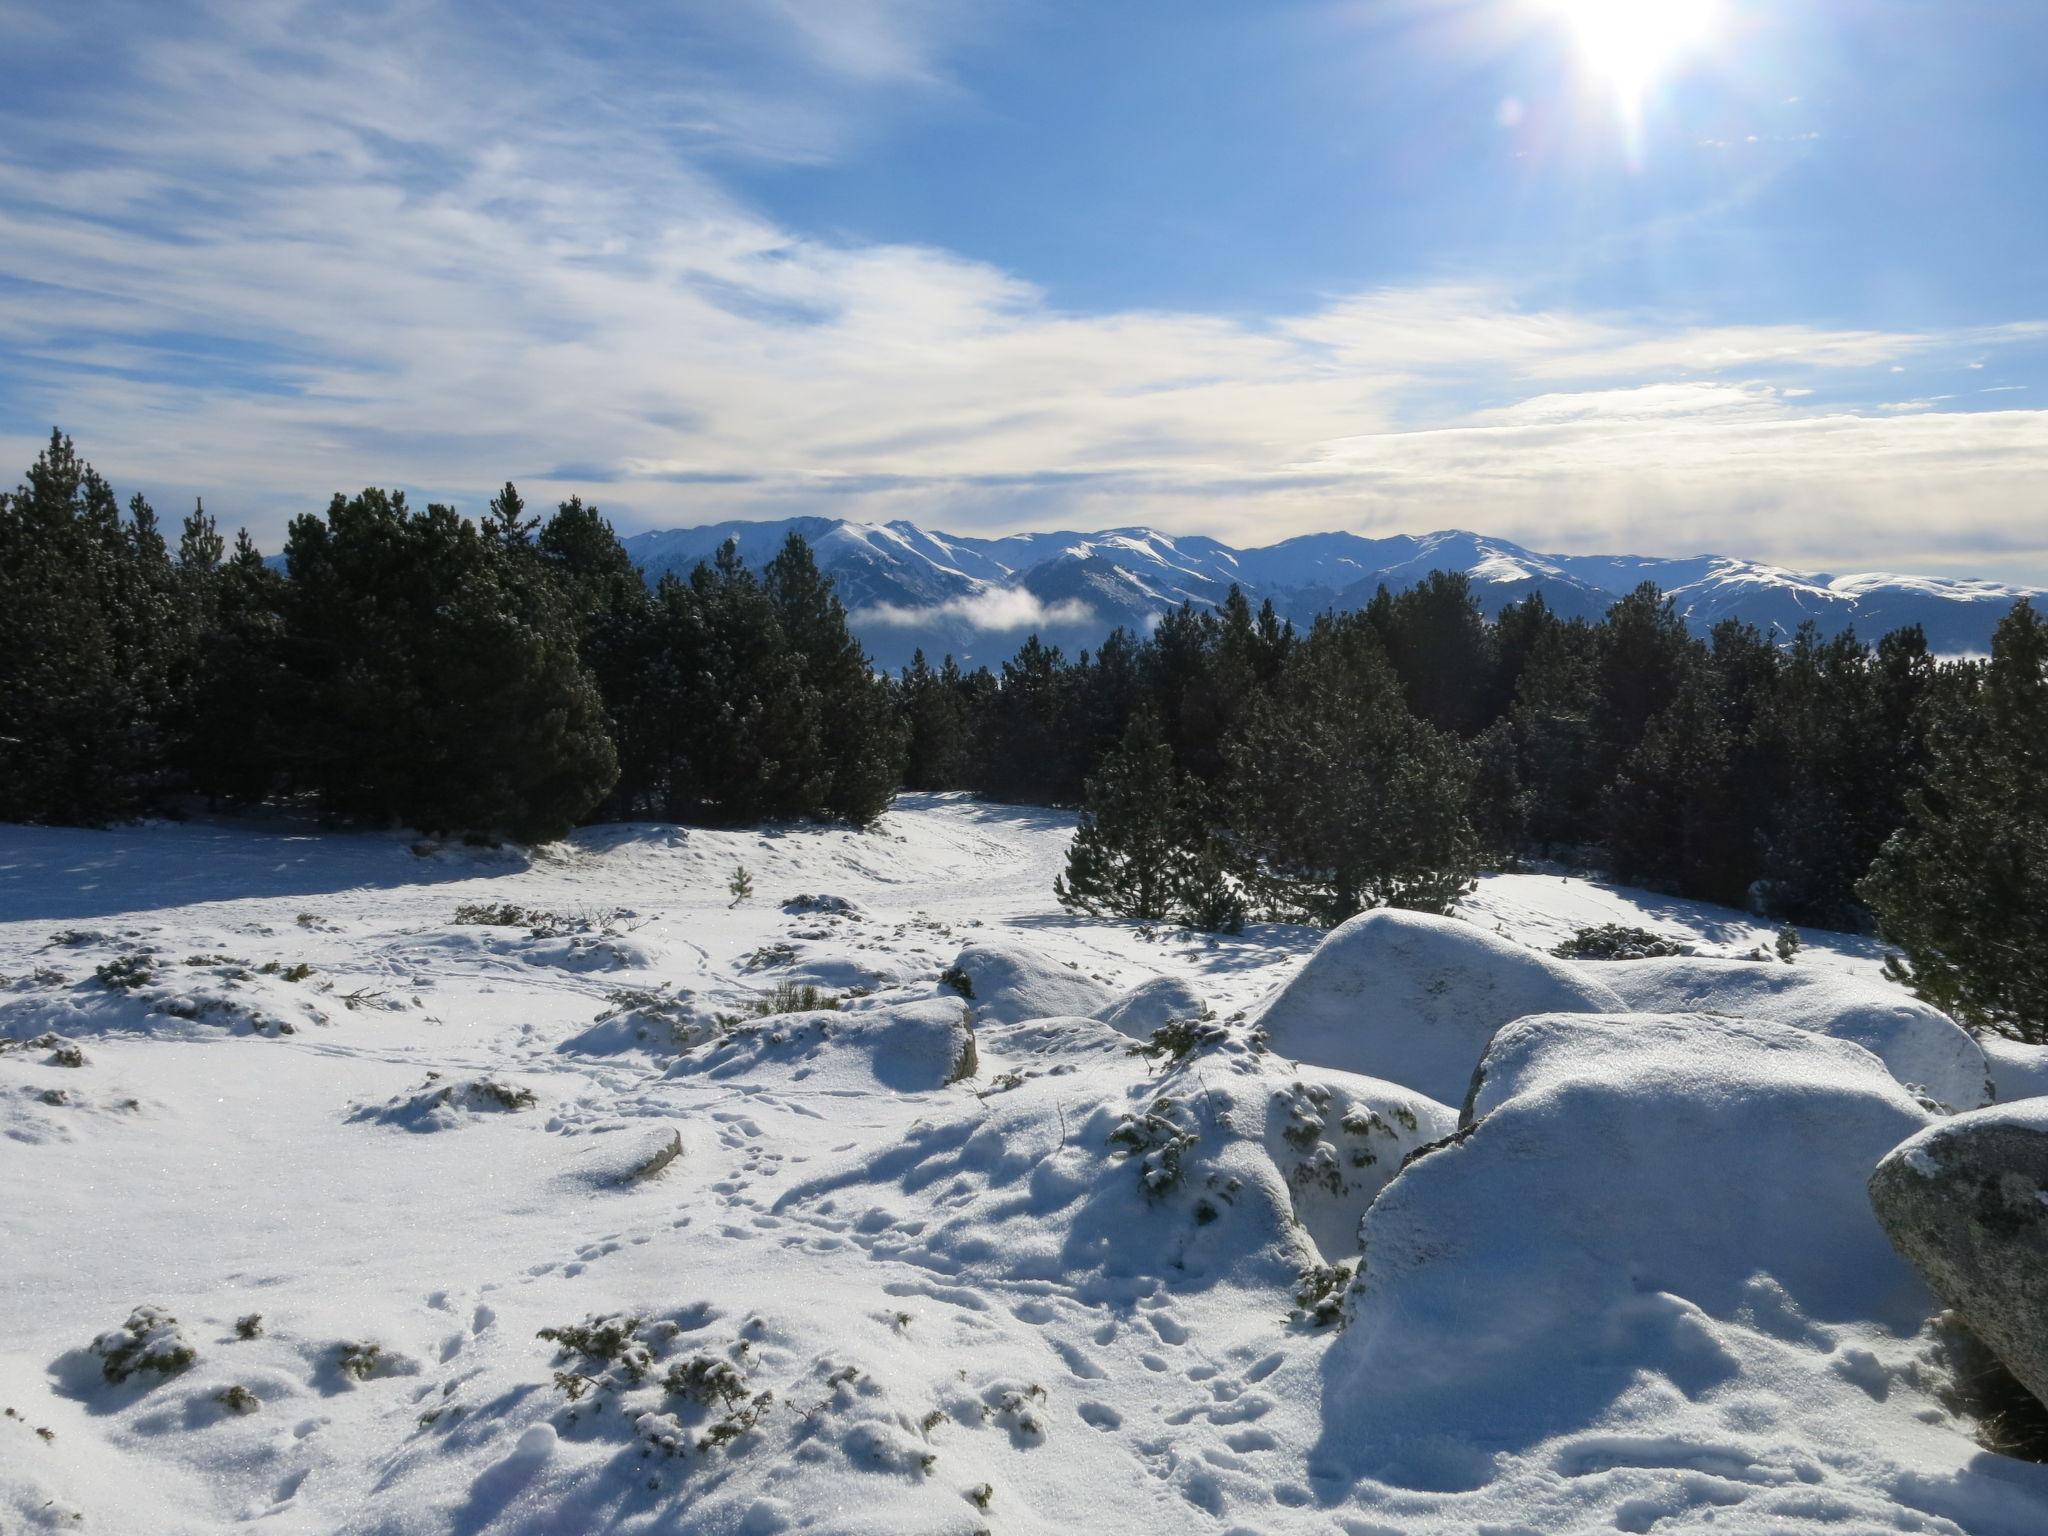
point(841, 1272)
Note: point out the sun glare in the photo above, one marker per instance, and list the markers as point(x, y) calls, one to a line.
point(1630, 45)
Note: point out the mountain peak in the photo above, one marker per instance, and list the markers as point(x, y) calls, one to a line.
point(977, 598)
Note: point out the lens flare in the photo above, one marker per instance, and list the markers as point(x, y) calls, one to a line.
point(1630, 45)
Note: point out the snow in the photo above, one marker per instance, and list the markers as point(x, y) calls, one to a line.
point(1152, 1004)
point(1415, 998)
point(2018, 1071)
point(1060, 1292)
point(1923, 1047)
point(1013, 982)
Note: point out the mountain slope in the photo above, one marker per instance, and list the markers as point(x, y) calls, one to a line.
point(978, 598)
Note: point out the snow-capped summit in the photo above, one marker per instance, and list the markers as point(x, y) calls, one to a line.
point(977, 598)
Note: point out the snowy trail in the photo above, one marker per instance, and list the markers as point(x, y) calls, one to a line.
point(970, 1314)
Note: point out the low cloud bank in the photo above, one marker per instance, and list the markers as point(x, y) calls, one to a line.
point(995, 609)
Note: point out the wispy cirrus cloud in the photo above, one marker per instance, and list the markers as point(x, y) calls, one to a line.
point(304, 246)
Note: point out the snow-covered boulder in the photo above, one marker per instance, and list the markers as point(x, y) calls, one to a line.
point(1924, 1048)
point(439, 1105)
point(150, 995)
point(1414, 999)
point(2018, 1070)
point(1629, 1183)
point(622, 1155)
point(1338, 1140)
point(1008, 983)
point(896, 1047)
point(1227, 1165)
point(1153, 1003)
point(1967, 1201)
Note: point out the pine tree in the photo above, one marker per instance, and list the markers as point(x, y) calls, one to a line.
point(232, 749)
point(1143, 848)
point(437, 676)
point(1962, 887)
point(1675, 817)
point(933, 708)
point(612, 609)
point(1339, 799)
point(1443, 651)
point(860, 737)
point(87, 641)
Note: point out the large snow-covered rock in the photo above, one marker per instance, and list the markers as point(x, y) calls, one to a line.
point(1923, 1047)
point(2018, 1070)
point(897, 1047)
point(1084, 1169)
point(1011, 983)
point(1152, 1004)
point(1967, 1202)
point(1414, 999)
point(1627, 1181)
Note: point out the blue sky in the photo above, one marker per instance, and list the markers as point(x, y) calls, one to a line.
point(1758, 278)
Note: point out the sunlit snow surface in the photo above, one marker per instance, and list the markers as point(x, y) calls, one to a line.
point(971, 1309)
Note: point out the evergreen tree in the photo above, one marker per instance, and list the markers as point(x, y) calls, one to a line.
point(755, 729)
point(87, 641)
point(1962, 887)
point(1643, 657)
point(1143, 848)
point(1339, 798)
point(1033, 753)
point(438, 676)
point(1442, 650)
point(934, 710)
point(241, 692)
point(1556, 735)
point(613, 612)
point(1674, 814)
point(860, 736)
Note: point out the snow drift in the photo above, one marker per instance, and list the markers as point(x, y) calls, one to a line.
point(1623, 1188)
point(1414, 999)
point(1922, 1046)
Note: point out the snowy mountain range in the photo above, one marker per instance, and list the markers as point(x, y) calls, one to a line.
point(978, 598)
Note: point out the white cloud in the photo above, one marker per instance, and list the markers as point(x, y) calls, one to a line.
point(275, 269)
point(996, 609)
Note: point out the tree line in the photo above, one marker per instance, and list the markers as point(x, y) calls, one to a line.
point(1228, 766)
point(517, 675)
point(409, 666)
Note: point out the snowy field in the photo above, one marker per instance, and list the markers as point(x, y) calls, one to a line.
point(927, 1264)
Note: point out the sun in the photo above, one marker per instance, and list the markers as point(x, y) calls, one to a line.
point(1630, 45)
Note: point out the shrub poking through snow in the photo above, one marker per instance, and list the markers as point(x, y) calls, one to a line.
point(250, 1327)
point(1618, 941)
point(491, 914)
point(1787, 943)
point(237, 1399)
point(63, 1053)
point(150, 1340)
point(1180, 1039)
point(793, 997)
point(696, 1403)
point(1157, 1143)
point(1319, 1294)
point(542, 923)
point(360, 1361)
point(956, 977)
point(125, 973)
